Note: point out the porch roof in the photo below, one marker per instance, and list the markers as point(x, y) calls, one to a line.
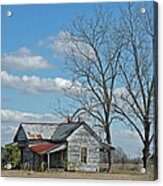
point(42, 147)
point(105, 146)
point(47, 148)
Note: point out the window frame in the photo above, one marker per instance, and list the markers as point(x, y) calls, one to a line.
point(81, 155)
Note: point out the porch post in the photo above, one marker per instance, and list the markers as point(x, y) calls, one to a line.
point(48, 161)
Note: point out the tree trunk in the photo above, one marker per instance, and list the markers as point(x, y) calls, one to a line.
point(108, 138)
point(146, 146)
point(145, 157)
point(109, 161)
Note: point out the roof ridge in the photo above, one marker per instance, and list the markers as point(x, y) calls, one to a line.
point(38, 123)
point(49, 123)
point(71, 123)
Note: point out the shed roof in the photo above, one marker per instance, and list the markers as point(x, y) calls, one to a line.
point(42, 147)
point(47, 148)
point(106, 146)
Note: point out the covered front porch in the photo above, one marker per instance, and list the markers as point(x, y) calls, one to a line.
point(50, 156)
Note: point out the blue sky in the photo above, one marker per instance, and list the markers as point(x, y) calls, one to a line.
point(22, 35)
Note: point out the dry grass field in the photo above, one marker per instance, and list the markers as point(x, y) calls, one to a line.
point(119, 173)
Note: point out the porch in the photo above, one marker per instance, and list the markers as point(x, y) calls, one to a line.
point(50, 157)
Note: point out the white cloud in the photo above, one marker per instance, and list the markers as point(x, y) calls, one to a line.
point(37, 85)
point(7, 133)
point(17, 117)
point(11, 118)
point(65, 43)
point(125, 133)
point(24, 59)
point(8, 129)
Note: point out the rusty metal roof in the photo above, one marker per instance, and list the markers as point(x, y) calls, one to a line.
point(42, 147)
point(49, 131)
point(46, 148)
point(39, 131)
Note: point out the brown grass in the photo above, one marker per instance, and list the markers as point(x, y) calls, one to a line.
point(123, 175)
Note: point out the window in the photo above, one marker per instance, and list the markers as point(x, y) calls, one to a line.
point(84, 154)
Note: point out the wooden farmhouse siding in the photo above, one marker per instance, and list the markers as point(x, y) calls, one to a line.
point(82, 138)
point(68, 146)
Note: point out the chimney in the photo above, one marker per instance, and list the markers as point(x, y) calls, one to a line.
point(69, 119)
point(80, 119)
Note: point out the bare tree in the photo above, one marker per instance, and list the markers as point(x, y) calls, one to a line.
point(136, 105)
point(96, 49)
point(92, 57)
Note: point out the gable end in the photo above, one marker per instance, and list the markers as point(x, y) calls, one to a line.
point(20, 135)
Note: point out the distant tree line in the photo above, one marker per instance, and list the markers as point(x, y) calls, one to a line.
point(119, 156)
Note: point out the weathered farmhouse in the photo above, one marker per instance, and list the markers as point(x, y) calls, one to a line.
point(70, 146)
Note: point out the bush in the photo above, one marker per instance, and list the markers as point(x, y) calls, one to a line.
point(12, 155)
